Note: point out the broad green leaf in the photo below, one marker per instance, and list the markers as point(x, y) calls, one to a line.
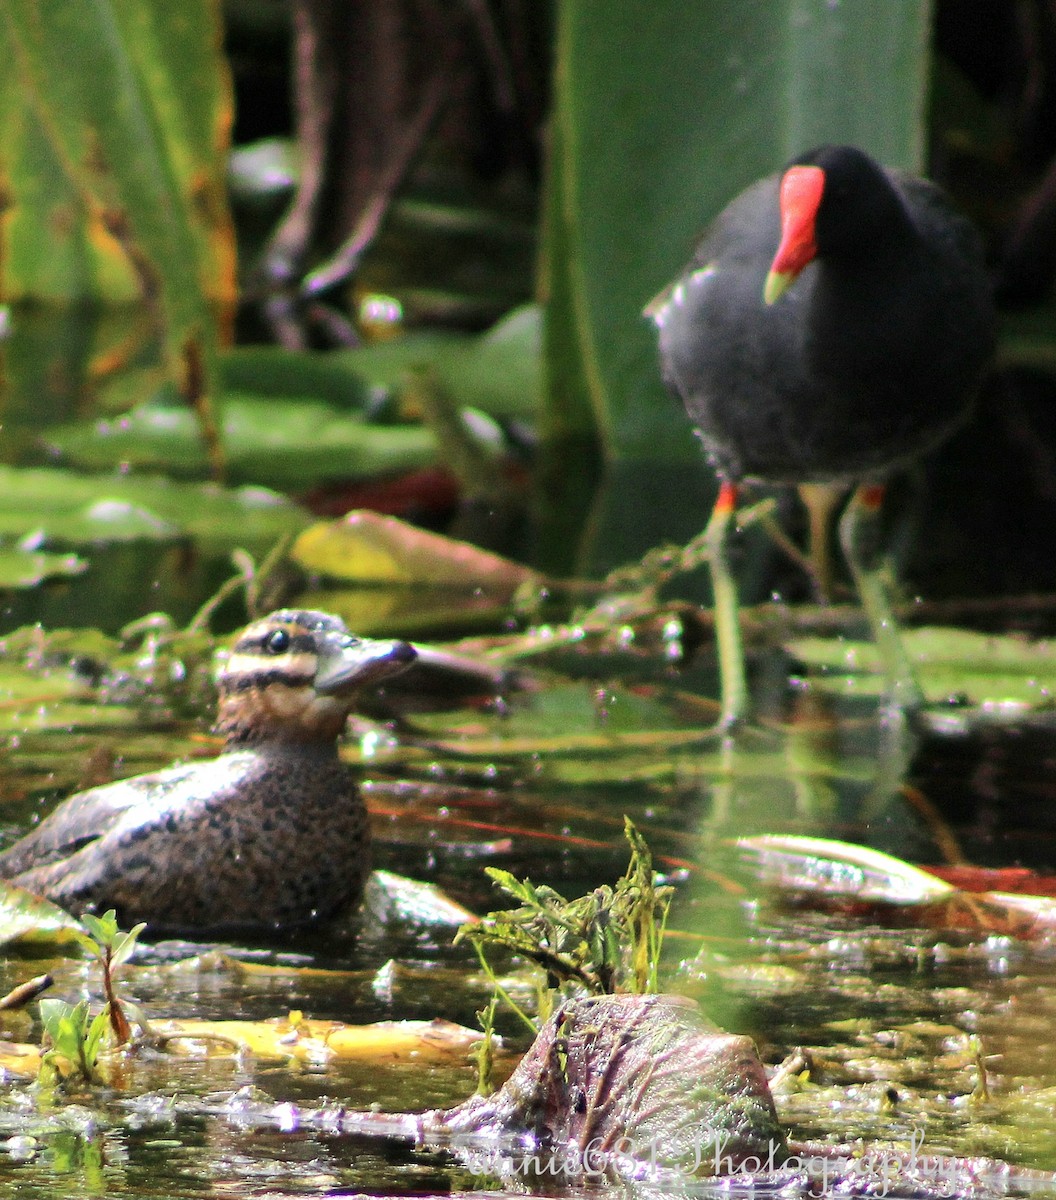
point(280, 443)
point(62, 508)
point(29, 919)
point(660, 116)
point(102, 929)
point(975, 667)
point(56, 247)
point(97, 1030)
point(64, 1024)
point(136, 106)
point(124, 945)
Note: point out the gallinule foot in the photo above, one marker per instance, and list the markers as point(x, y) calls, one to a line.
point(271, 833)
point(834, 324)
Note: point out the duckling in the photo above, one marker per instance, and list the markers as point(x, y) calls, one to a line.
point(271, 833)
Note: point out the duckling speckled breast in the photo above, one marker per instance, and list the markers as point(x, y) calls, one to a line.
point(271, 833)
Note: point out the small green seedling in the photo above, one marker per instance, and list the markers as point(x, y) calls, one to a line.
point(75, 1035)
point(111, 947)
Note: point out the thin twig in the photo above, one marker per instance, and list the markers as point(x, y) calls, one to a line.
point(346, 260)
point(495, 54)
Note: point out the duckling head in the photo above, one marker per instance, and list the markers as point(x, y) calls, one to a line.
point(293, 677)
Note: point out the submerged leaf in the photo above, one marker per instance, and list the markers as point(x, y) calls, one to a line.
point(979, 668)
point(283, 443)
point(29, 919)
point(320, 1042)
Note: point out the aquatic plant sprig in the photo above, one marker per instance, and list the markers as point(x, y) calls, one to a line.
point(604, 942)
point(75, 1034)
point(112, 947)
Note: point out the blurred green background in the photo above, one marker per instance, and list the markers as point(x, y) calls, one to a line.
point(396, 256)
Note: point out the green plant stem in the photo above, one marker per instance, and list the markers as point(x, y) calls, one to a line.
point(502, 992)
point(727, 619)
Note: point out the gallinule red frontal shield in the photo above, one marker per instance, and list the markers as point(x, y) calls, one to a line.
point(834, 324)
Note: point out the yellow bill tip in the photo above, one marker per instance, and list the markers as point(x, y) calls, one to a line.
point(777, 282)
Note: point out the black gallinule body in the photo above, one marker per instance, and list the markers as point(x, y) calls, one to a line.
point(271, 833)
point(834, 323)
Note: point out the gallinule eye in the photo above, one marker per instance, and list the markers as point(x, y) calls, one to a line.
point(834, 323)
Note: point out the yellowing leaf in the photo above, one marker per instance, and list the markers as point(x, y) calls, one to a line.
point(319, 1041)
point(18, 1058)
point(369, 548)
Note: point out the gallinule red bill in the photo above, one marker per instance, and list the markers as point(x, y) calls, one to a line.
point(834, 324)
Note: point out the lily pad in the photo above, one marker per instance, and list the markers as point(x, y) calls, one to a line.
point(979, 668)
point(499, 371)
point(367, 548)
point(282, 443)
point(274, 371)
point(48, 508)
point(30, 920)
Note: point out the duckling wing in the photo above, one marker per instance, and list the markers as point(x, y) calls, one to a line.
point(249, 839)
point(89, 816)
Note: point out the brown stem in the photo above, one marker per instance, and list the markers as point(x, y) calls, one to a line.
point(345, 261)
point(118, 1021)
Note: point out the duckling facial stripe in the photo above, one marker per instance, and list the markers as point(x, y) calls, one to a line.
point(260, 680)
point(295, 667)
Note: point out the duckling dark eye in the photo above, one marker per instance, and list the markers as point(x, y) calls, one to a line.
point(277, 642)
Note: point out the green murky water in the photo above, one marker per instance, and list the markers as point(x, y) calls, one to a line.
point(899, 1023)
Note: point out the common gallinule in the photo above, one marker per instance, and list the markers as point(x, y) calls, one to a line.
point(271, 833)
point(834, 324)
